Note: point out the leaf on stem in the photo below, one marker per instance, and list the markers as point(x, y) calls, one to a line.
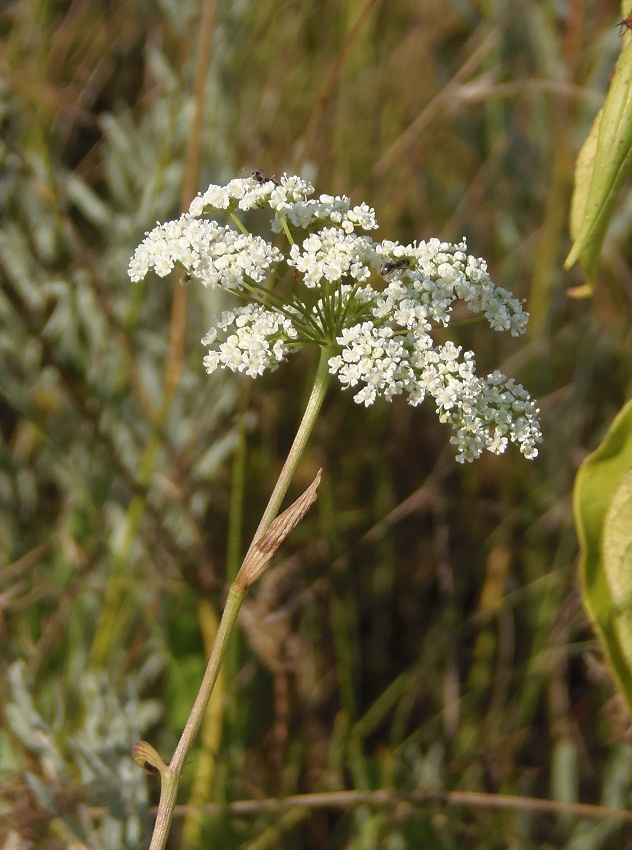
point(263, 550)
point(603, 166)
point(603, 517)
point(148, 759)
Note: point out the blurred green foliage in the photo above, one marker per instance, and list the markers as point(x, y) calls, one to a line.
point(423, 629)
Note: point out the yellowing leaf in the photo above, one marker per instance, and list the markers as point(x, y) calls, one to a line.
point(602, 503)
point(617, 560)
point(583, 174)
point(603, 165)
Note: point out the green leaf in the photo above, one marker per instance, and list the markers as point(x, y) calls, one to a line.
point(603, 166)
point(603, 518)
point(617, 559)
point(583, 174)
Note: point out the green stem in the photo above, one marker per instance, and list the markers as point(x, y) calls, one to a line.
point(312, 410)
point(170, 775)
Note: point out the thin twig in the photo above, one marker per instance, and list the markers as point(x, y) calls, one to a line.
point(388, 797)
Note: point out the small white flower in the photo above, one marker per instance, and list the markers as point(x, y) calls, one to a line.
point(259, 340)
point(319, 289)
point(332, 254)
point(328, 210)
point(216, 255)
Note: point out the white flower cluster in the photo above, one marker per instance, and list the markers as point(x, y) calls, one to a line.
point(331, 255)
point(375, 356)
point(485, 413)
point(435, 274)
point(372, 305)
point(256, 191)
point(259, 340)
point(329, 210)
point(218, 256)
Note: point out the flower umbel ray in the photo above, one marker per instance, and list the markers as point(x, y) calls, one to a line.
point(372, 304)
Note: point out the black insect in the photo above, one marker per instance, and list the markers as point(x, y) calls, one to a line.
point(262, 178)
point(404, 263)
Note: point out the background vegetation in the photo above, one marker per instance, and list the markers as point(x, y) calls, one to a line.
point(423, 630)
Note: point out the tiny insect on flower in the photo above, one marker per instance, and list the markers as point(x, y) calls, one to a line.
point(388, 268)
point(262, 178)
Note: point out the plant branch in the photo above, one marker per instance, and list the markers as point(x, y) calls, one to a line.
point(268, 538)
point(312, 410)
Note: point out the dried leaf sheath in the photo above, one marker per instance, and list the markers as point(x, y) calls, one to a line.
point(263, 550)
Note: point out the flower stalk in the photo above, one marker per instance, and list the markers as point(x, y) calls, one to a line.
point(312, 409)
point(268, 539)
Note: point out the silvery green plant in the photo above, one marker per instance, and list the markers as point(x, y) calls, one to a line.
point(90, 766)
point(369, 307)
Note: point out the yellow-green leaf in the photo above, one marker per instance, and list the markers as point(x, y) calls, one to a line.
point(604, 164)
point(603, 518)
point(583, 174)
point(617, 560)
